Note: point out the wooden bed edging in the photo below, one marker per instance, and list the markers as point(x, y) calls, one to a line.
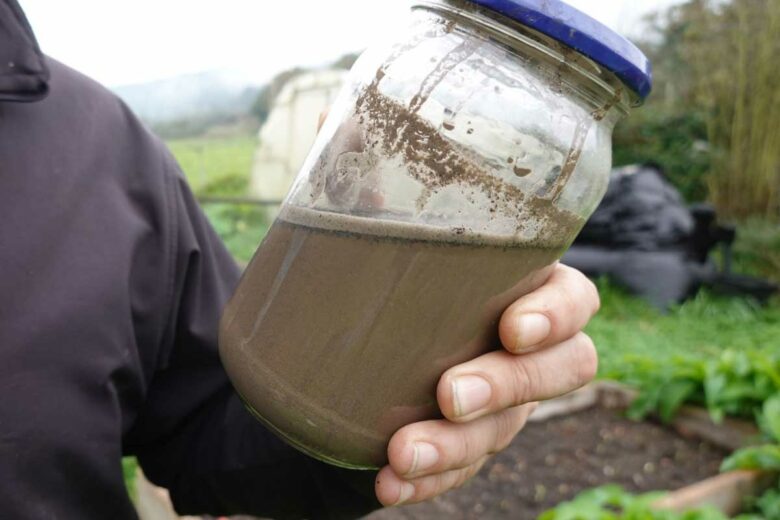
point(726, 491)
point(691, 421)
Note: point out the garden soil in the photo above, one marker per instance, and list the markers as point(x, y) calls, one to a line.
point(552, 461)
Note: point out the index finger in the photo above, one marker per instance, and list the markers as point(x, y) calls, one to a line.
point(555, 312)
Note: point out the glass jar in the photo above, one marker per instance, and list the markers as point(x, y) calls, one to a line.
point(456, 167)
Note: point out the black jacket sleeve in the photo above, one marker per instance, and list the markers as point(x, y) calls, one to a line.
point(193, 435)
point(112, 284)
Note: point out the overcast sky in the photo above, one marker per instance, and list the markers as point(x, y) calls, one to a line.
point(122, 42)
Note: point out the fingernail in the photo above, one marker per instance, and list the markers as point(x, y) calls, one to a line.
point(425, 456)
point(406, 492)
point(532, 329)
point(470, 393)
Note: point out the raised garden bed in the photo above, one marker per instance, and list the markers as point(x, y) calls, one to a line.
point(582, 441)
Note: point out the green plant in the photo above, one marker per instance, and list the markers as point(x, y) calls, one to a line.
point(765, 457)
point(767, 505)
point(129, 472)
point(757, 249)
point(612, 502)
point(241, 227)
point(737, 383)
point(698, 351)
point(674, 140)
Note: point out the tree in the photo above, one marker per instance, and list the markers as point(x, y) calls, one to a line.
point(714, 118)
point(732, 51)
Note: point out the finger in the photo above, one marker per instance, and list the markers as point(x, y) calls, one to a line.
point(500, 380)
point(392, 490)
point(431, 447)
point(551, 314)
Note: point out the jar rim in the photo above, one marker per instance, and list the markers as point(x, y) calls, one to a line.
point(582, 33)
point(604, 80)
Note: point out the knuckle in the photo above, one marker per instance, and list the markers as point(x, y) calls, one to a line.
point(464, 450)
point(504, 430)
point(593, 295)
point(437, 485)
point(565, 302)
point(425, 488)
point(578, 291)
point(524, 381)
point(468, 473)
point(464, 475)
point(587, 359)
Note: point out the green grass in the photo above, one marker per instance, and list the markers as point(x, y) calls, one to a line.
point(630, 333)
point(216, 166)
point(222, 166)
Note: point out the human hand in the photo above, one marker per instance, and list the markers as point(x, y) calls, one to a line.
point(546, 355)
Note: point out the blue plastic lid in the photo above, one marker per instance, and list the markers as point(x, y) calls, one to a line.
point(584, 34)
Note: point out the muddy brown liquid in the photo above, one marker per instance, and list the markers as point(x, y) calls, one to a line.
point(336, 339)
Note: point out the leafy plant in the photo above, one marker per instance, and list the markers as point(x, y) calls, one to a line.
point(676, 140)
point(766, 457)
point(612, 502)
point(735, 383)
point(769, 419)
point(241, 227)
point(129, 472)
point(768, 505)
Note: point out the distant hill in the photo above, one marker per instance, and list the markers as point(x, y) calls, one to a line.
point(201, 96)
point(193, 104)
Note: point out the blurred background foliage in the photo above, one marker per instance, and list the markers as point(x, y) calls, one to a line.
point(713, 120)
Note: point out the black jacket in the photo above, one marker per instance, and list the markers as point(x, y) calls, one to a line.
point(111, 288)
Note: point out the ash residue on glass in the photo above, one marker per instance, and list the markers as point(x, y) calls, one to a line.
point(393, 129)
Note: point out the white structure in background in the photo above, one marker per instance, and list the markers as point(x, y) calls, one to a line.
point(288, 134)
